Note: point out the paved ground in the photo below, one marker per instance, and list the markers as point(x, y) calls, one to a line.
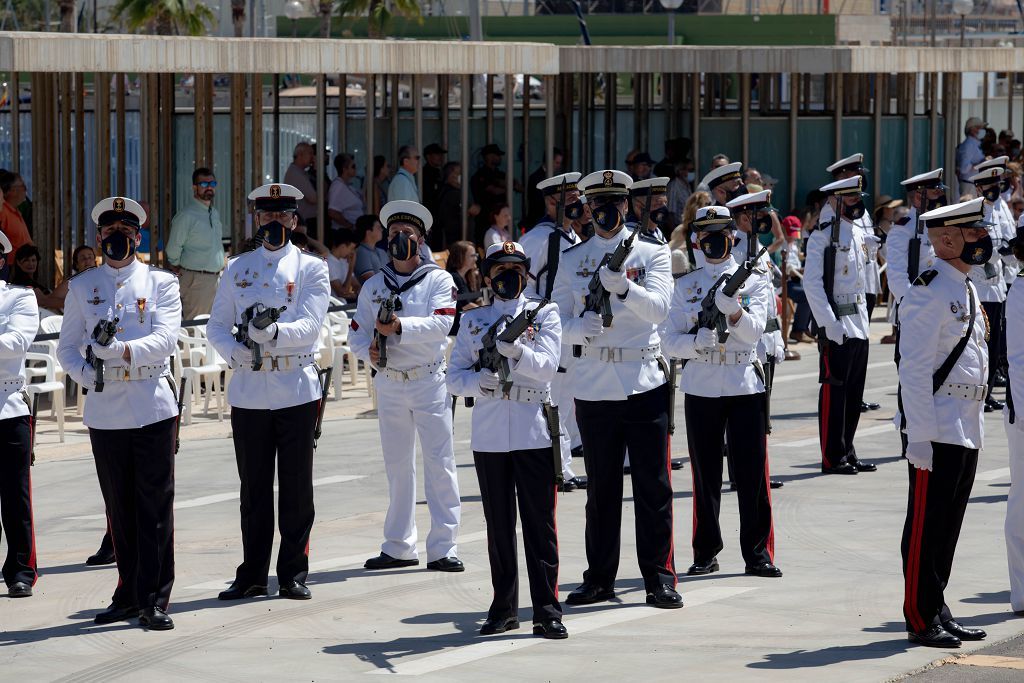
point(836, 615)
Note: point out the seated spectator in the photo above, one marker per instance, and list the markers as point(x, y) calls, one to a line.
point(82, 259)
point(12, 223)
point(462, 259)
point(344, 202)
point(341, 257)
point(501, 220)
point(369, 257)
point(24, 274)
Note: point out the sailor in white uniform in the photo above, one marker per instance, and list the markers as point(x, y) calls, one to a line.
point(1014, 423)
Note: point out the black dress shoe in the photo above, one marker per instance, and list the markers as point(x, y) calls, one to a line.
point(155, 619)
point(676, 463)
point(934, 636)
point(238, 591)
point(993, 405)
point(775, 484)
point(114, 614)
point(293, 590)
point(567, 486)
point(581, 481)
point(999, 380)
point(844, 468)
point(962, 632)
point(577, 452)
point(871, 406)
point(702, 568)
point(19, 589)
point(765, 570)
point(447, 564)
point(864, 407)
point(550, 628)
point(492, 626)
point(385, 561)
point(664, 597)
point(101, 557)
point(588, 594)
point(865, 466)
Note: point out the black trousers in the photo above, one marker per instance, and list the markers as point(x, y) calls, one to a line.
point(136, 472)
point(607, 428)
point(870, 299)
point(843, 371)
point(935, 513)
point(16, 500)
point(709, 421)
point(525, 476)
point(996, 340)
point(260, 437)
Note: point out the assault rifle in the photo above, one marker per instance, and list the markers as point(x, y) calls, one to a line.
point(598, 298)
point(102, 334)
point(490, 359)
point(261, 317)
point(384, 315)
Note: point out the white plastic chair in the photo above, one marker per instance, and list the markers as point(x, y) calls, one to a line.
point(49, 385)
point(204, 365)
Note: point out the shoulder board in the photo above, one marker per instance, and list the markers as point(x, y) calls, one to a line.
point(926, 277)
point(575, 246)
point(318, 257)
point(651, 239)
point(75, 275)
point(827, 225)
point(163, 270)
point(27, 288)
point(903, 221)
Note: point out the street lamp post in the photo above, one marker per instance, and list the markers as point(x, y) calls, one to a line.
point(294, 10)
point(671, 6)
point(963, 8)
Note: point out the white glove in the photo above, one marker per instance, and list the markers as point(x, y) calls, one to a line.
point(727, 304)
point(614, 282)
point(262, 336)
point(834, 331)
point(705, 339)
point(112, 351)
point(489, 382)
point(88, 376)
point(592, 324)
point(512, 350)
point(241, 356)
point(919, 453)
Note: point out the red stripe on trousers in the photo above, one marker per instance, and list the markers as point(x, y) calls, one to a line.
point(826, 406)
point(31, 521)
point(914, 553)
point(671, 517)
point(554, 520)
point(771, 520)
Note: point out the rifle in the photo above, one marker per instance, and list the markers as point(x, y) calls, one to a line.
point(828, 269)
point(384, 315)
point(102, 334)
point(554, 430)
point(914, 250)
point(490, 359)
point(712, 318)
point(325, 382)
point(261, 317)
point(598, 299)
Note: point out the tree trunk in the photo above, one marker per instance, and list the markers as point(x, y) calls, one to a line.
point(325, 18)
point(374, 29)
point(238, 17)
point(67, 16)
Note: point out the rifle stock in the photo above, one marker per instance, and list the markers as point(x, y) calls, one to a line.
point(384, 315)
point(598, 298)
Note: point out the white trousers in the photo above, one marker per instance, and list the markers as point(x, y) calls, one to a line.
point(561, 396)
point(406, 409)
point(1014, 529)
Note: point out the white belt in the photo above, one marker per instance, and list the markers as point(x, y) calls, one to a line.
point(715, 357)
point(126, 374)
point(969, 392)
point(285, 363)
point(620, 355)
point(412, 374)
point(853, 298)
point(9, 385)
point(526, 395)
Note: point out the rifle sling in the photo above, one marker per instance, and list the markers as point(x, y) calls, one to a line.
point(940, 375)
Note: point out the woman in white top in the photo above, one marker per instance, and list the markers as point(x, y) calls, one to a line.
point(499, 232)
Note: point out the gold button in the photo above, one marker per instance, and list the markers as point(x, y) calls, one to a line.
point(117, 306)
point(120, 284)
point(120, 329)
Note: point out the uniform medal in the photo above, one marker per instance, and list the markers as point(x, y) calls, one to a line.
point(141, 304)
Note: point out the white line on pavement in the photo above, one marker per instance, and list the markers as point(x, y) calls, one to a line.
point(813, 441)
point(807, 375)
point(610, 617)
point(224, 497)
point(992, 475)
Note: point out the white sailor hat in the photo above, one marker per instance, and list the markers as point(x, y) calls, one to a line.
point(990, 163)
point(649, 187)
point(992, 174)
point(276, 197)
point(854, 162)
point(504, 252)
point(722, 174)
point(712, 219)
point(969, 214)
point(846, 186)
point(565, 182)
point(931, 180)
point(609, 183)
point(752, 201)
point(5, 245)
point(114, 209)
point(405, 211)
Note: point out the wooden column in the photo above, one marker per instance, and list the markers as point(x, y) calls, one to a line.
point(16, 122)
point(120, 123)
point(442, 100)
point(638, 106)
point(525, 167)
point(101, 89)
point(64, 235)
point(199, 121)
point(745, 116)
point(321, 149)
point(371, 115)
point(159, 236)
point(510, 164)
point(1009, 99)
point(417, 124)
point(150, 143)
point(837, 103)
point(549, 129)
point(276, 126)
point(695, 112)
point(876, 118)
point(208, 121)
point(611, 118)
point(395, 108)
point(342, 142)
point(464, 98)
point(237, 169)
point(256, 143)
point(490, 106)
point(586, 91)
point(794, 137)
point(933, 121)
point(909, 96)
point(82, 212)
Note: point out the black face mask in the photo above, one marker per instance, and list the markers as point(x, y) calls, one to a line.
point(402, 247)
point(854, 211)
point(274, 234)
point(508, 284)
point(5, 269)
point(574, 211)
point(659, 216)
point(738, 192)
point(991, 192)
point(607, 217)
point(763, 224)
point(1004, 186)
point(931, 204)
point(716, 245)
point(117, 246)
point(977, 253)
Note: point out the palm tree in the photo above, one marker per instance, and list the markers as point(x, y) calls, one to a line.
point(165, 17)
point(380, 11)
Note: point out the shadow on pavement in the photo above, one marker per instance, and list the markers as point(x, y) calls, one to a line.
point(806, 659)
point(989, 598)
point(81, 625)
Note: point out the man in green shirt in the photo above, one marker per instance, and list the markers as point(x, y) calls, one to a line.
point(194, 248)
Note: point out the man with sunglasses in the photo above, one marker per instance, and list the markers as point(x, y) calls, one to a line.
point(194, 248)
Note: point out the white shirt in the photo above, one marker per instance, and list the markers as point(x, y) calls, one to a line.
point(19, 320)
point(147, 303)
point(933, 318)
point(337, 268)
point(636, 317)
point(427, 312)
point(346, 200)
point(848, 286)
point(705, 379)
point(897, 247)
point(771, 343)
point(496, 235)
point(287, 277)
point(1015, 348)
point(501, 426)
point(535, 244)
point(872, 276)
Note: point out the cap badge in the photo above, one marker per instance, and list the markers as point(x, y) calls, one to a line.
point(509, 248)
point(275, 191)
point(608, 177)
point(711, 213)
point(118, 204)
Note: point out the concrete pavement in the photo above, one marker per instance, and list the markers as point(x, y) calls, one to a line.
point(835, 615)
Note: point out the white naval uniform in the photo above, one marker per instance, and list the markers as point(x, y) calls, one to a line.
point(872, 277)
point(535, 244)
point(988, 278)
point(413, 399)
point(897, 246)
point(1014, 528)
point(146, 301)
point(848, 286)
point(288, 277)
point(19, 321)
point(1002, 215)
